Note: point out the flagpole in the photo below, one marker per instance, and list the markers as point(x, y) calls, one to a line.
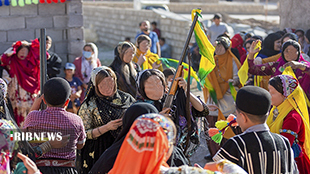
point(42, 62)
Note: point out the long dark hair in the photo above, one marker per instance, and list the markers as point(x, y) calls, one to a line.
point(126, 71)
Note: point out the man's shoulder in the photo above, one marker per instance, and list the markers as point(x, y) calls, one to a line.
point(34, 113)
point(138, 34)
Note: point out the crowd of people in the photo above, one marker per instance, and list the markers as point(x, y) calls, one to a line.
point(113, 119)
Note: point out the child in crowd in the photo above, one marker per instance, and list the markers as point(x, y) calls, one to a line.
point(76, 88)
point(169, 74)
point(54, 119)
point(257, 150)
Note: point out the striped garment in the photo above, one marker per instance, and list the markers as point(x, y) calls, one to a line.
point(259, 152)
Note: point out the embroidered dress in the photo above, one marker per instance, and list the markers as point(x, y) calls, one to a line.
point(25, 83)
point(276, 68)
point(292, 116)
point(96, 111)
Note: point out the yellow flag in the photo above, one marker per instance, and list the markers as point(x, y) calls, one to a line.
point(243, 71)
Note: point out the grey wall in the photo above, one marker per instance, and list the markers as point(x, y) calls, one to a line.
point(63, 22)
point(112, 25)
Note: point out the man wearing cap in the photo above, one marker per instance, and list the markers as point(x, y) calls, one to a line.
point(257, 150)
point(217, 28)
point(55, 119)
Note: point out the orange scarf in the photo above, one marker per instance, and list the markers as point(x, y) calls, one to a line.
point(144, 149)
point(150, 59)
point(222, 72)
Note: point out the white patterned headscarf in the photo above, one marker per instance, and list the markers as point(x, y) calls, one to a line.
point(4, 87)
point(96, 71)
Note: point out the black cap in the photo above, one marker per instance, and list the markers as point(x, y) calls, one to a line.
point(253, 100)
point(56, 91)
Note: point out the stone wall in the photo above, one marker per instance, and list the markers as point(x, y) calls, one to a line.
point(221, 7)
point(294, 14)
point(63, 22)
point(112, 25)
point(213, 6)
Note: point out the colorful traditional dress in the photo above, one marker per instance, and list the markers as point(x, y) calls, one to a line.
point(25, 82)
point(96, 111)
point(227, 66)
point(276, 68)
point(291, 120)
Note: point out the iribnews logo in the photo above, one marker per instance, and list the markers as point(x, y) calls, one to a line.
point(35, 136)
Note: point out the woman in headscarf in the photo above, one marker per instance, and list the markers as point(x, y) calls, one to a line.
point(101, 112)
point(124, 68)
point(151, 87)
point(290, 56)
point(106, 161)
point(23, 65)
point(237, 42)
point(147, 146)
point(225, 72)
point(289, 117)
point(85, 64)
point(144, 57)
point(271, 51)
point(294, 37)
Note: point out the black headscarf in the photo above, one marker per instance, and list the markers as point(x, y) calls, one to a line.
point(268, 45)
point(106, 161)
point(141, 78)
point(110, 108)
point(295, 44)
point(118, 66)
point(292, 36)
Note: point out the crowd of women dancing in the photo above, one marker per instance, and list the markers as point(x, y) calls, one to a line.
point(119, 102)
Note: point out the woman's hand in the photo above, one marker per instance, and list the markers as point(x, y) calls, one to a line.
point(141, 59)
point(75, 95)
point(165, 112)
point(59, 144)
point(258, 61)
point(9, 52)
point(295, 65)
point(235, 82)
point(182, 83)
point(252, 50)
point(155, 65)
point(29, 164)
point(114, 124)
point(212, 107)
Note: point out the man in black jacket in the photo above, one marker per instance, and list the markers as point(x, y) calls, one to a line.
point(53, 61)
